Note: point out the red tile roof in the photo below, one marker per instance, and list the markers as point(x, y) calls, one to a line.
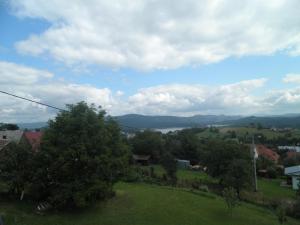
point(292, 154)
point(34, 138)
point(267, 153)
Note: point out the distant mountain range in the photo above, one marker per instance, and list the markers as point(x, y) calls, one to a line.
point(132, 121)
point(32, 126)
point(141, 121)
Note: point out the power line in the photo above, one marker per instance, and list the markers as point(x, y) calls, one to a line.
point(53, 107)
point(30, 100)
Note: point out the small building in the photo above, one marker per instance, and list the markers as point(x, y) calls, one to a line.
point(294, 173)
point(183, 164)
point(141, 159)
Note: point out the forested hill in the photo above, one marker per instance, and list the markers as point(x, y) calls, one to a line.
point(270, 121)
point(141, 121)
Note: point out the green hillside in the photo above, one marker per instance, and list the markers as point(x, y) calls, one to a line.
point(141, 204)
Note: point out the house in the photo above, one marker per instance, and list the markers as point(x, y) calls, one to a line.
point(289, 148)
point(141, 159)
point(34, 139)
point(294, 173)
point(8, 136)
point(291, 155)
point(267, 153)
point(183, 164)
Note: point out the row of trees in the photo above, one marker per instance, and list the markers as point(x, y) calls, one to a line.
point(82, 155)
point(226, 160)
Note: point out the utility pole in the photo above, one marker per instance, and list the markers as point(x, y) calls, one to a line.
point(254, 154)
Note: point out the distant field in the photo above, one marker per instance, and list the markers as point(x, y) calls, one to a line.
point(270, 188)
point(141, 204)
point(184, 174)
point(242, 131)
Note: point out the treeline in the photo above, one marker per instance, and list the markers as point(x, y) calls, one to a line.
point(224, 159)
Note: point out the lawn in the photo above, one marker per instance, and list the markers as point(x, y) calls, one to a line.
point(184, 173)
point(142, 204)
point(271, 189)
point(242, 131)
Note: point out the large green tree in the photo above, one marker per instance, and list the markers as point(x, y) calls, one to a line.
point(238, 175)
point(82, 155)
point(219, 155)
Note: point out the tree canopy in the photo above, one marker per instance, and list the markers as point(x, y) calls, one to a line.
point(82, 155)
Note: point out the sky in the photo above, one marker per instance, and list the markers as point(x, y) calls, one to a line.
point(155, 57)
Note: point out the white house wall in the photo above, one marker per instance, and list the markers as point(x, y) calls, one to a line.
point(295, 180)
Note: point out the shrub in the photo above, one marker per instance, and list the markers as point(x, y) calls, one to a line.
point(271, 171)
point(231, 198)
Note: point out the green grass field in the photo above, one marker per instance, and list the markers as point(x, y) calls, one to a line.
point(271, 189)
point(141, 204)
point(242, 131)
point(184, 173)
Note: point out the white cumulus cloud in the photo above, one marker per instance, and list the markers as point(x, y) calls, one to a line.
point(180, 99)
point(40, 85)
point(292, 78)
point(167, 99)
point(160, 34)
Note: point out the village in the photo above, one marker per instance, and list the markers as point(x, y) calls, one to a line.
point(277, 168)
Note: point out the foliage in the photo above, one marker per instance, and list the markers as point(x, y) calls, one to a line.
point(82, 155)
point(8, 126)
point(296, 208)
point(281, 214)
point(231, 199)
point(16, 167)
point(148, 143)
point(220, 154)
point(262, 163)
point(238, 175)
point(189, 146)
point(168, 162)
point(272, 172)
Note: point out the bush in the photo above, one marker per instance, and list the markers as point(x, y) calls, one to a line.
point(231, 198)
point(296, 209)
point(272, 172)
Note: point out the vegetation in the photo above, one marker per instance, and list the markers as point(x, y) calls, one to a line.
point(139, 204)
point(169, 164)
point(281, 214)
point(82, 155)
point(148, 143)
point(16, 168)
point(231, 198)
point(8, 126)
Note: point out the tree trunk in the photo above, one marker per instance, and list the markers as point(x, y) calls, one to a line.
point(22, 195)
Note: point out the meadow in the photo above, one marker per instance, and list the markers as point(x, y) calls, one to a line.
point(144, 204)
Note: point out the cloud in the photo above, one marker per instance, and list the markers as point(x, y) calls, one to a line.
point(168, 99)
point(160, 34)
point(179, 99)
point(20, 75)
point(40, 85)
point(292, 78)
